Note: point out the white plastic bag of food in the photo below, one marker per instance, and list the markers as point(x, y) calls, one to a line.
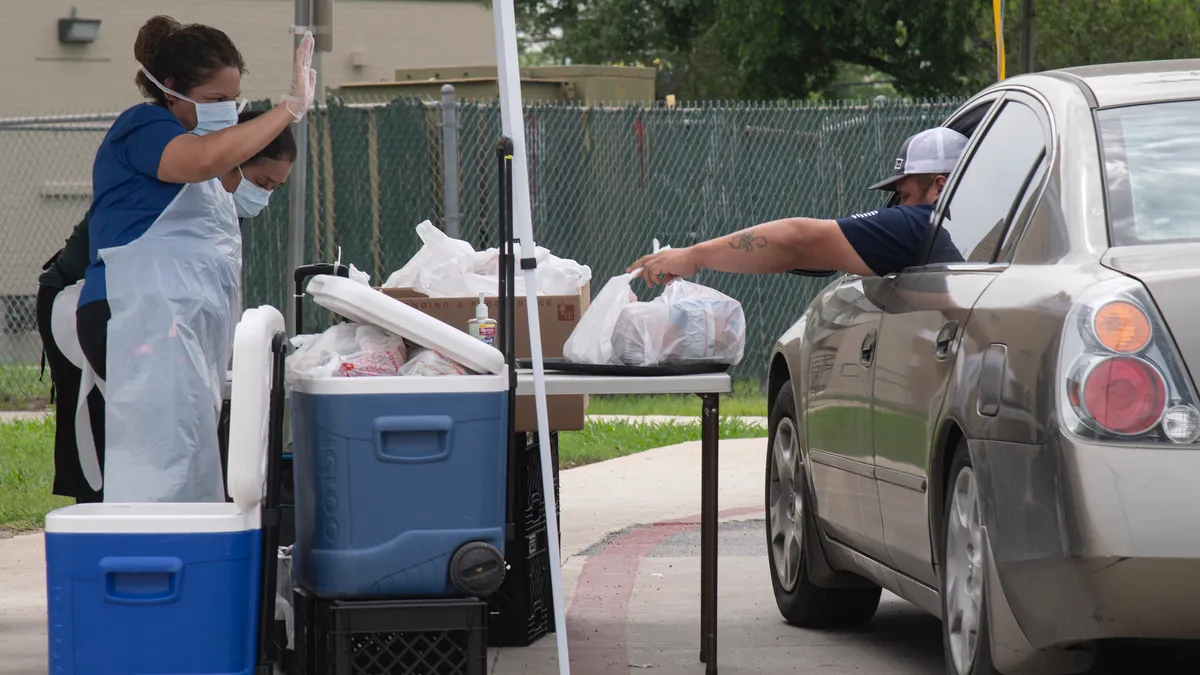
point(455, 255)
point(687, 324)
point(431, 363)
point(556, 276)
point(347, 350)
point(591, 341)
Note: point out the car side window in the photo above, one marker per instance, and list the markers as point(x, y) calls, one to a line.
point(1017, 227)
point(976, 216)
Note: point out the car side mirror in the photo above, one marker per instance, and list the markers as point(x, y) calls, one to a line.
point(813, 273)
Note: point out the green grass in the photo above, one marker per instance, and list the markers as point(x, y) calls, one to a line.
point(27, 458)
point(607, 440)
point(20, 388)
point(745, 401)
point(26, 474)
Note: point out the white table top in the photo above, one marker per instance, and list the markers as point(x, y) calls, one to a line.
point(562, 383)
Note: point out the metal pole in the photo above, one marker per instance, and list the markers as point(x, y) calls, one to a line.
point(450, 218)
point(513, 125)
point(1028, 57)
point(299, 180)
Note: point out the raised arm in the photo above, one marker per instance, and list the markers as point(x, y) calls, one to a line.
point(769, 248)
point(192, 159)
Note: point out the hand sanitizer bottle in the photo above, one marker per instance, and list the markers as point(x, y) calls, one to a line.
point(481, 327)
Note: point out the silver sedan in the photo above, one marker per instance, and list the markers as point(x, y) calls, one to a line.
point(1008, 438)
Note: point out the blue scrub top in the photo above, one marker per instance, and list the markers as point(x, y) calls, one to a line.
point(127, 196)
point(895, 238)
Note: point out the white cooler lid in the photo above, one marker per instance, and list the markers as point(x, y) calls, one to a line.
point(250, 405)
point(363, 304)
point(151, 518)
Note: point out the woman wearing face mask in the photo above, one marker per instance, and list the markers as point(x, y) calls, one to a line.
point(162, 292)
point(251, 185)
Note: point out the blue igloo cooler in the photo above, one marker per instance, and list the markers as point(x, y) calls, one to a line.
point(159, 588)
point(400, 481)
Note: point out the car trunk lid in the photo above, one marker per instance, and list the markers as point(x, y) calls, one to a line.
point(1171, 274)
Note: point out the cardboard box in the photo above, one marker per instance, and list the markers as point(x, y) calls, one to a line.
point(558, 315)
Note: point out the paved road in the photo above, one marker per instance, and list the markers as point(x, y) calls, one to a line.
point(632, 579)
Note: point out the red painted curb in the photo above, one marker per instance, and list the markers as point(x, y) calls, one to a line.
point(601, 600)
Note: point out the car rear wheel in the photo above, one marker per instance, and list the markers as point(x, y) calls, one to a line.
point(800, 601)
point(965, 635)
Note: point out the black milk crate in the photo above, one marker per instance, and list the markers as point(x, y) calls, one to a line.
point(521, 611)
point(390, 637)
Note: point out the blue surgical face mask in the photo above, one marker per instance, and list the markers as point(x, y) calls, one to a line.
point(210, 117)
point(249, 198)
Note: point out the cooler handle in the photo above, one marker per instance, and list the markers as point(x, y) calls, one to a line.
point(442, 426)
point(142, 580)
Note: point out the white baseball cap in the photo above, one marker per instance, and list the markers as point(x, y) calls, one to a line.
point(933, 151)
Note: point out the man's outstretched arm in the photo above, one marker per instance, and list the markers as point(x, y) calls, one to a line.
point(769, 248)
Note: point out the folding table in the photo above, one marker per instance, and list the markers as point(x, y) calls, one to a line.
point(709, 388)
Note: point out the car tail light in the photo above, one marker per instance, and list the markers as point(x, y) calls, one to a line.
point(1123, 378)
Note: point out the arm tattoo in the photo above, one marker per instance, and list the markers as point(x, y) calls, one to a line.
point(747, 241)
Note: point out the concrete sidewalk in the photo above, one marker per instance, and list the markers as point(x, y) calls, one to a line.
point(631, 578)
point(671, 419)
point(7, 416)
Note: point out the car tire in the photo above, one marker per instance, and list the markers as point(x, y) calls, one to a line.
point(966, 637)
point(801, 602)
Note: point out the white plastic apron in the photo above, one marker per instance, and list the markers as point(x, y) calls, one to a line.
point(66, 338)
point(175, 295)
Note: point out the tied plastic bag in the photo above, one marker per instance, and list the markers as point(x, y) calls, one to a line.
point(347, 350)
point(688, 323)
point(447, 267)
point(592, 339)
point(454, 256)
point(431, 363)
point(360, 276)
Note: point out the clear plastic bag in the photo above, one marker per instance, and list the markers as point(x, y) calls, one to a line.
point(592, 339)
point(687, 324)
point(347, 350)
point(431, 363)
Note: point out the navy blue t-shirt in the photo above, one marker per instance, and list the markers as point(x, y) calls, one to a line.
point(127, 196)
point(891, 239)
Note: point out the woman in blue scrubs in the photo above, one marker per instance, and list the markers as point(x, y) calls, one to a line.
point(251, 185)
point(162, 291)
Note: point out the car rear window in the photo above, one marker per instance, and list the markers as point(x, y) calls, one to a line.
point(1152, 171)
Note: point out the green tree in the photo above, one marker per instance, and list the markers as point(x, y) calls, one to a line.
point(771, 49)
point(1084, 32)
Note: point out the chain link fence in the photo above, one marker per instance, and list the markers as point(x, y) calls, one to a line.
point(604, 182)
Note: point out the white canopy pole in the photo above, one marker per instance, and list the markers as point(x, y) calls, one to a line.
point(513, 120)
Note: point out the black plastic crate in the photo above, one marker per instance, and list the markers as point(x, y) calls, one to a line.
point(521, 611)
point(390, 637)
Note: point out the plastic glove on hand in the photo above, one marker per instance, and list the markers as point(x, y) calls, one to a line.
point(304, 79)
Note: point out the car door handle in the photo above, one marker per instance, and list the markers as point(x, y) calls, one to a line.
point(945, 338)
point(867, 353)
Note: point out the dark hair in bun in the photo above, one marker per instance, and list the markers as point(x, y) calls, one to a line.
point(186, 55)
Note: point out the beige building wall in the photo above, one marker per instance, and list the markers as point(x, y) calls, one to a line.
point(42, 75)
point(45, 175)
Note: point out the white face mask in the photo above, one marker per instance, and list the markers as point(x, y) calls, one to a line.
point(210, 117)
point(249, 198)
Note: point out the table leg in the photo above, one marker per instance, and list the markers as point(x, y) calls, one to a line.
point(709, 434)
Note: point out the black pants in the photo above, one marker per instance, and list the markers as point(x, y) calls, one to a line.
point(68, 476)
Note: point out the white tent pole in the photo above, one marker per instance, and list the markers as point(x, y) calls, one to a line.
point(513, 120)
